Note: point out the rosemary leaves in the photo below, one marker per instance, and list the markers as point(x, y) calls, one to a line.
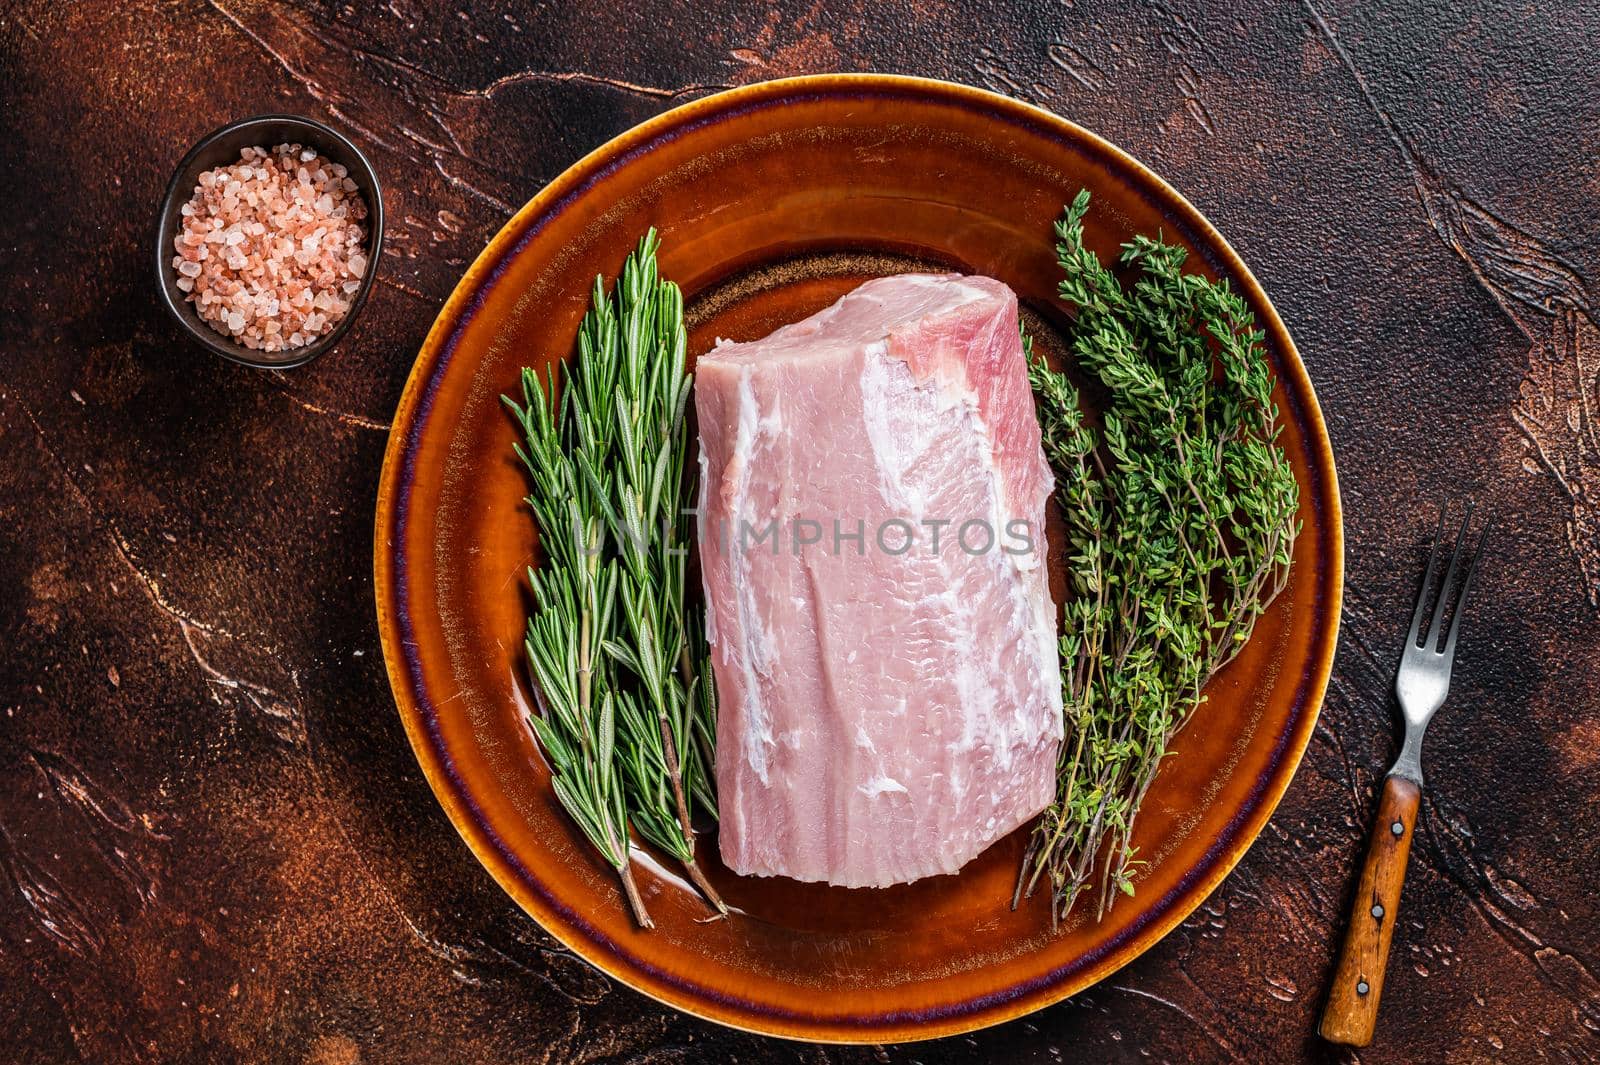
point(1180, 511)
point(626, 705)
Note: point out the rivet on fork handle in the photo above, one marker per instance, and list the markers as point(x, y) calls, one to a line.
point(1352, 1010)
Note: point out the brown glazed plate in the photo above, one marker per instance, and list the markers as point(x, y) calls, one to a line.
point(772, 201)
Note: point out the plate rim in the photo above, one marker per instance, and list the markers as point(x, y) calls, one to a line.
point(986, 1011)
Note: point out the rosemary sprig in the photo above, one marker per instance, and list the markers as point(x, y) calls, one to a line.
point(665, 768)
point(574, 595)
point(616, 658)
point(1180, 514)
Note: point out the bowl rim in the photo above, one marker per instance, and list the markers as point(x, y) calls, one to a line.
point(182, 311)
point(396, 476)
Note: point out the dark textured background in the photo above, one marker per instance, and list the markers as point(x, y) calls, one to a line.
point(214, 842)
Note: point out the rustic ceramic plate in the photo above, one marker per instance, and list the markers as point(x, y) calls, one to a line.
point(772, 201)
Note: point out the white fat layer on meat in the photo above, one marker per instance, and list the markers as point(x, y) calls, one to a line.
point(881, 386)
point(881, 784)
point(887, 386)
point(754, 655)
point(1032, 615)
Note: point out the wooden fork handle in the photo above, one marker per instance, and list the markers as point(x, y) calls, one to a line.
point(1352, 1010)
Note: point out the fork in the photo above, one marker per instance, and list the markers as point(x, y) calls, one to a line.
point(1421, 686)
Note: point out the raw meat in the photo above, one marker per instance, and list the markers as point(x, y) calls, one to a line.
point(889, 706)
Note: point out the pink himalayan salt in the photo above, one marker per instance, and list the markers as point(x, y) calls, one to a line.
point(271, 248)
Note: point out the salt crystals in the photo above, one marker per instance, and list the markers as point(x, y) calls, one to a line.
point(286, 229)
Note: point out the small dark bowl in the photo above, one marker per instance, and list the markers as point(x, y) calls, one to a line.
point(221, 147)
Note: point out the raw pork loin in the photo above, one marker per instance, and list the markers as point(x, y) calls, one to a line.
point(886, 669)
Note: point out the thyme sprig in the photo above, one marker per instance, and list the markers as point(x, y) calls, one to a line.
point(614, 650)
point(1180, 515)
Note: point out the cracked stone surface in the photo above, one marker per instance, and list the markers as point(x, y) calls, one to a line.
point(214, 842)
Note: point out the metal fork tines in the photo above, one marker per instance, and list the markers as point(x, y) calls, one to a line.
point(1425, 664)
